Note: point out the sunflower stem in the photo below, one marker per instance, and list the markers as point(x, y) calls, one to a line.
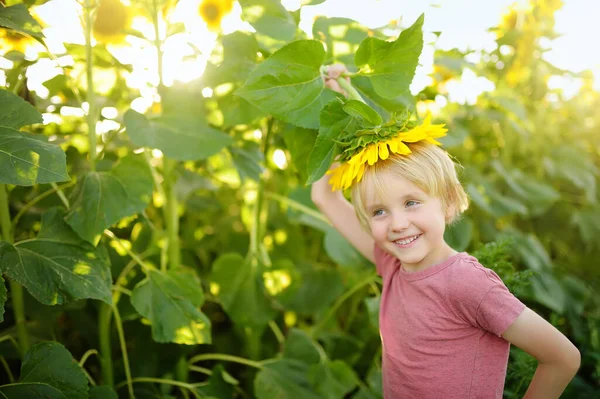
point(350, 90)
point(90, 97)
point(16, 289)
point(106, 366)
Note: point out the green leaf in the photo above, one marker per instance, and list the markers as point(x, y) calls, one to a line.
point(239, 59)
point(180, 137)
point(299, 143)
point(548, 291)
point(333, 379)
point(334, 122)
point(247, 161)
point(30, 390)
point(241, 291)
point(3, 298)
point(103, 198)
point(26, 159)
point(299, 346)
point(384, 106)
point(459, 234)
point(220, 384)
point(50, 363)
point(586, 221)
point(311, 2)
point(269, 17)
point(17, 17)
point(391, 65)
point(342, 252)
point(58, 267)
point(289, 84)
point(16, 112)
point(342, 37)
point(283, 379)
point(170, 301)
point(372, 305)
point(361, 110)
point(102, 392)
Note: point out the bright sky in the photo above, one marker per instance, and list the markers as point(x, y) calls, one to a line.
point(463, 24)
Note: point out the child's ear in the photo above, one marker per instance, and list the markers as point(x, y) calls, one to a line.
point(450, 212)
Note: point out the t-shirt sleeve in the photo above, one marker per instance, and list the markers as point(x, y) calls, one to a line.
point(384, 262)
point(482, 299)
point(498, 309)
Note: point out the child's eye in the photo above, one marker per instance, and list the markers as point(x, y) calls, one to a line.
point(378, 212)
point(411, 203)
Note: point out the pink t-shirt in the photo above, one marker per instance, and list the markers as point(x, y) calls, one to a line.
point(441, 327)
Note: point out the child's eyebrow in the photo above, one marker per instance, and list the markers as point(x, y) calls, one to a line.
point(414, 194)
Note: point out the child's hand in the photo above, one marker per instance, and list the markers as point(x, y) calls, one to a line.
point(333, 73)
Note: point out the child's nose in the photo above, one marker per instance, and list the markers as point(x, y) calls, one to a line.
point(399, 222)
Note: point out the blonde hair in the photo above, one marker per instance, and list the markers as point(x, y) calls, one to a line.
point(428, 167)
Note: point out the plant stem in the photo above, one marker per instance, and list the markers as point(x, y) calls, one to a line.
point(339, 302)
point(16, 289)
point(350, 90)
point(163, 381)
point(297, 205)
point(106, 366)
point(34, 201)
point(91, 97)
point(121, 333)
point(224, 357)
point(170, 213)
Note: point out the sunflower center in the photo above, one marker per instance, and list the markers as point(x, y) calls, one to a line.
point(210, 12)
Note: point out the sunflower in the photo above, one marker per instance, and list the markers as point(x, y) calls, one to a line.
point(11, 40)
point(113, 19)
point(353, 170)
point(213, 11)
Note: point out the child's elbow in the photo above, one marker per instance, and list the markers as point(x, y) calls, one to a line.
point(573, 361)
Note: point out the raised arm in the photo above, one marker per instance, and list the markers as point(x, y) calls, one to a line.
point(342, 216)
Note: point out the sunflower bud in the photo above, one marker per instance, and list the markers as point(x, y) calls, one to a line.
point(112, 21)
point(213, 11)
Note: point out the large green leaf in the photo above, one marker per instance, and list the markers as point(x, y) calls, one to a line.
point(220, 384)
point(16, 112)
point(3, 298)
point(50, 363)
point(391, 65)
point(17, 17)
point(181, 137)
point(103, 198)
point(342, 252)
point(332, 379)
point(171, 302)
point(239, 59)
point(334, 122)
point(102, 392)
point(269, 17)
point(289, 84)
point(57, 266)
point(283, 379)
point(26, 160)
point(299, 346)
point(30, 390)
point(384, 106)
point(299, 142)
point(241, 291)
point(342, 37)
point(459, 234)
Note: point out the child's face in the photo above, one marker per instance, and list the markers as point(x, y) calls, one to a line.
point(407, 222)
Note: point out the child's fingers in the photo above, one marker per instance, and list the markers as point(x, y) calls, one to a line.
point(335, 86)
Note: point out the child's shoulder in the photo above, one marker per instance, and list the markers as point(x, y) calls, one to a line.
point(468, 277)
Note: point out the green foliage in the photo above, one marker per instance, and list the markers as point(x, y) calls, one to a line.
point(211, 247)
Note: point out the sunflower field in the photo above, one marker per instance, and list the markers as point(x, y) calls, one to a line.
point(157, 234)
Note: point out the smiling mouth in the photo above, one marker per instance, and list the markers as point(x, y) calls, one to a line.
point(407, 241)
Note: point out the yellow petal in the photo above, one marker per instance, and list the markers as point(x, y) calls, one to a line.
point(383, 151)
point(372, 154)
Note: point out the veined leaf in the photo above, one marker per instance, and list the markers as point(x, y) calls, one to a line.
point(103, 198)
point(241, 290)
point(299, 346)
point(30, 390)
point(50, 363)
point(334, 122)
point(16, 112)
point(239, 59)
point(26, 159)
point(102, 392)
point(283, 379)
point(180, 137)
point(17, 17)
point(332, 379)
point(361, 110)
point(269, 17)
point(289, 84)
point(57, 266)
point(171, 302)
point(391, 65)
